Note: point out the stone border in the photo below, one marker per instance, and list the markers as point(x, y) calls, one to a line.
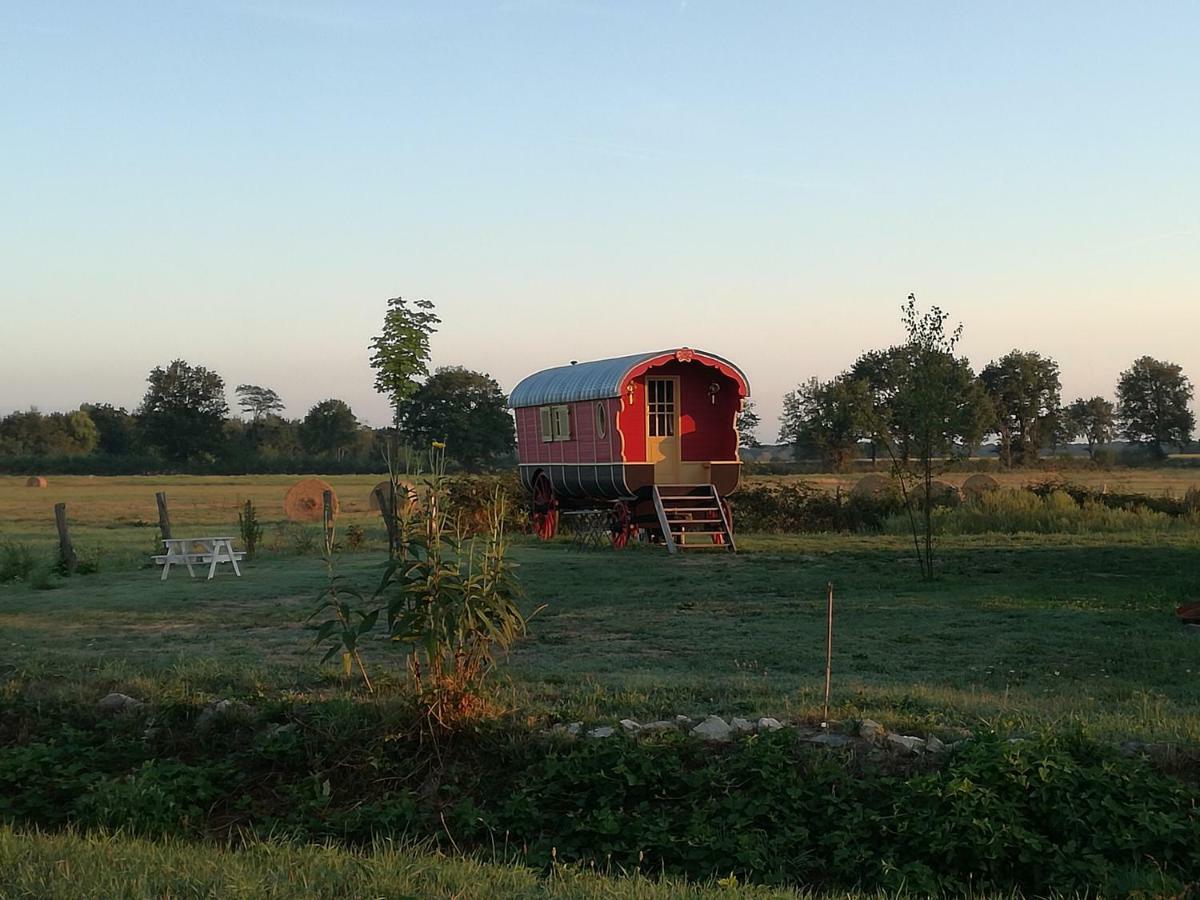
point(715, 729)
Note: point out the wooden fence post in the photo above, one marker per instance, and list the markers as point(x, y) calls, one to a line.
point(828, 654)
point(67, 559)
point(164, 517)
point(387, 509)
point(327, 518)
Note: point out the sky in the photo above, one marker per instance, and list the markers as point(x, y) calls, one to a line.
point(243, 184)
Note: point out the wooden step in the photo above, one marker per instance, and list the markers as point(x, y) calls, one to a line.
point(691, 511)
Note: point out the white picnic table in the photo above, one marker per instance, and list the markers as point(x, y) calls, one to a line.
point(184, 552)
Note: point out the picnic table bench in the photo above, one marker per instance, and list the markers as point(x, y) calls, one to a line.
point(184, 552)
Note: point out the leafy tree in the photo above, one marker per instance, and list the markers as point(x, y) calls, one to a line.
point(275, 436)
point(257, 401)
point(466, 410)
point(329, 427)
point(31, 433)
point(880, 370)
point(1025, 392)
point(827, 418)
point(1152, 404)
point(1094, 420)
point(184, 410)
point(400, 354)
point(747, 426)
point(935, 405)
point(79, 435)
point(117, 428)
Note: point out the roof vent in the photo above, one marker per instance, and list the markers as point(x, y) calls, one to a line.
point(574, 362)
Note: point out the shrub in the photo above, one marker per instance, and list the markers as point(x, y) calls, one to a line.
point(1053, 814)
point(163, 796)
point(454, 605)
point(17, 562)
point(250, 529)
point(1043, 510)
point(471, 498)
point(799, 506)
point(355, 537)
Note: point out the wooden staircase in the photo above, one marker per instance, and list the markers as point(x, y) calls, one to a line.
point(692, 518)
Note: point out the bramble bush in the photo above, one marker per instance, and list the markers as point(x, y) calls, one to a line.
point(796, 507)
point(1056, 813)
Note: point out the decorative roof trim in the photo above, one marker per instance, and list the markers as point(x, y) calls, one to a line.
point(603, 378)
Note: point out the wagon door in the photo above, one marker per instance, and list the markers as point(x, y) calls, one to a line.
point(662, 428)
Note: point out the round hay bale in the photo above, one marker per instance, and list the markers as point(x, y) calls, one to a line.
point(35, 481)
point(942, 492)
point(409, 498)
point(305, 500)
point(872, 486)
point(979, 484)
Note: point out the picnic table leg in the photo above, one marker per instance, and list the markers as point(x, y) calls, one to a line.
point(233, 559)
point(166, 566)
point(187, 558)
point(216, 555)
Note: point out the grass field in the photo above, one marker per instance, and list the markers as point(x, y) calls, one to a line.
point(1018, 634)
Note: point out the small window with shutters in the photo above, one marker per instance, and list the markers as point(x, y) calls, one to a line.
point(555, 423)
point(562, 423)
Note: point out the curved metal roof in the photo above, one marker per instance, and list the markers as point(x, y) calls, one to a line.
point(595, 380)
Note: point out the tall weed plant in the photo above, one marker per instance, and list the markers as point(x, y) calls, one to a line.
point(1013, 511)
point(452, 602)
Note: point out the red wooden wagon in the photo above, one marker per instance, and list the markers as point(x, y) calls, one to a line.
point(651, 438)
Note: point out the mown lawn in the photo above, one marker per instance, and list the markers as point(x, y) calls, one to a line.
point(1016, 634)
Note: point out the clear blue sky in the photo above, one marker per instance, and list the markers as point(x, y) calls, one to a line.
point(242, 183)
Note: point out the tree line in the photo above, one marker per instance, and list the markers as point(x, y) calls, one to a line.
point(879, 403)
point(184, 420)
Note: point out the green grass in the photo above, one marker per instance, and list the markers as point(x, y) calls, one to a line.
point(70, 865)
point(1017, 633)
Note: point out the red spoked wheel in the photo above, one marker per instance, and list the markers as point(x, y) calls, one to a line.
point(718, 537)
point(545, 508)
point(620, 525)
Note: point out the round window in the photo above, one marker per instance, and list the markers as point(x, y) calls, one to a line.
point(601, 420)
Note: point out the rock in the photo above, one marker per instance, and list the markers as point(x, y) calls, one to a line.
point(115, 703)
point(714, 728)
point(741, 726)
point(934, 744)
point(602, 732)
point(630, 726)
point(219, 710)
point(870, 730)
point(574, 729)
point(906, 743)
point(684, 721)
point(659, 726)
point(766, 723)
point(828, 739)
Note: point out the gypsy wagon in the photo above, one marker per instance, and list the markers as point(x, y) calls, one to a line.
point(650, 439)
